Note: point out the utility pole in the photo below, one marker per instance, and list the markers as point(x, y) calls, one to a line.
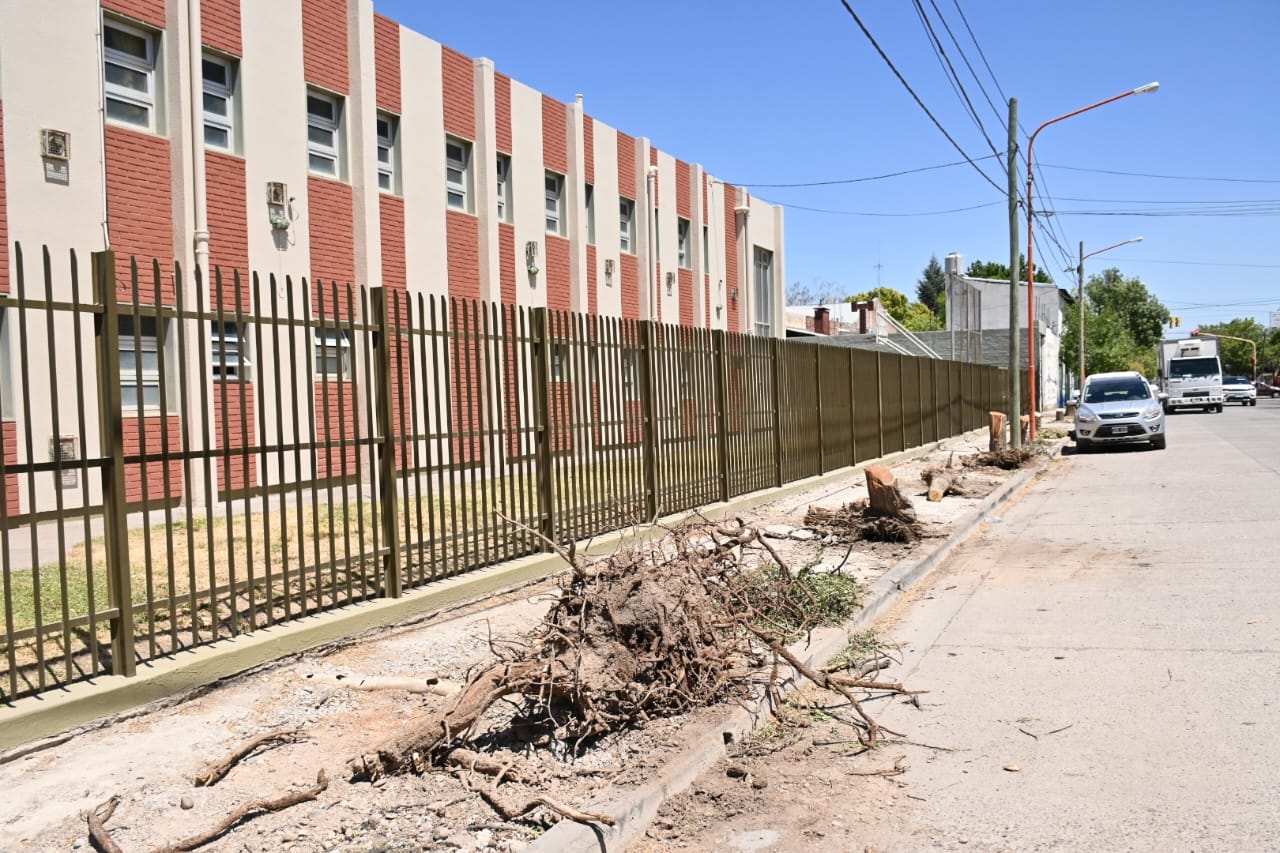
point(1015, 362)
point(1080, 299)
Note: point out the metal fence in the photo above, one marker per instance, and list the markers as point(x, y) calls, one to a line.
point(230, 454)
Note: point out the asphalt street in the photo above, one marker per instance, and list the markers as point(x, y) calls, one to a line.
point(1103, 660)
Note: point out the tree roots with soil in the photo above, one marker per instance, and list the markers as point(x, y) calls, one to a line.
point(1009, 459)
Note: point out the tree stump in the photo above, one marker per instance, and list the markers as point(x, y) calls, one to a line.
point(1025, 421)
point(885, 498)
point(997, 441)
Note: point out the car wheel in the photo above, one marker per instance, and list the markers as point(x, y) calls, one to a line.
point(1253, 402)
point(1218, 409)
point(1083, 445)
point(1158, 442)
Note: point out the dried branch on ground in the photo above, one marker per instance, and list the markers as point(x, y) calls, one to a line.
point(213, 773)
point(1010, 459)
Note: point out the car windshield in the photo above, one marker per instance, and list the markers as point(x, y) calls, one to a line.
point(1117, 391)
point(1185, 368)
point(1235, 380)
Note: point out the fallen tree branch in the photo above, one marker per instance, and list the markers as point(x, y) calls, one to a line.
point(97, 819)
point(260, 804)
point(214, 773)
point(509, 812)
point(469, 759)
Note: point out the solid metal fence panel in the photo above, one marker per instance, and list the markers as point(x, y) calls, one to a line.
point(891, 402)
point(912, 415)
point(928, 404)
point(837, 388)
point(868, 438)
point(752, 438)
point(799, 411)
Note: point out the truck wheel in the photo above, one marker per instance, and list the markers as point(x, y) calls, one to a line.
point(1219, 409)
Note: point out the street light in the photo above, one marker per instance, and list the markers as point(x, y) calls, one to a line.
point(1031, 292)
point(1080, 292)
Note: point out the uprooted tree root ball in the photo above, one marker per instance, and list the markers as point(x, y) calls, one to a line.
point(857, 521)
point(646, 633)
point(1009, 459)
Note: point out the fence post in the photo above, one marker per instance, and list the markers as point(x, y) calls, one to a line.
point(880, 403)
point(775, 351)
point(385, 340)
point(649, 426)
point(853, 420)
point(902, 400)
point(817, 385)
point(542, 421)
point(720, 366)
point(115, 522)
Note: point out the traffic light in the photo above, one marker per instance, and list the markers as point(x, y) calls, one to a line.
point(1175, 322)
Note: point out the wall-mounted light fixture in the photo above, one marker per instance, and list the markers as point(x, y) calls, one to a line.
point(531, 257)
point(278, 205)
point(671, 282)
point(608, 272)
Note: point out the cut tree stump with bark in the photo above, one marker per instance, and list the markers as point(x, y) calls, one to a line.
point(997, 441)
point(886, 499)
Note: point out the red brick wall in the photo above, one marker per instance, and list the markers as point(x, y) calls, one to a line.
point(653, 161)
point(685, 284)
point(627, 169)
point(11, 489)
point(228, 225)
point(148, 11)
point(234, 474)
point(459, 94)
point(220, 25)
point(155, 425)
point(502, 108)
point(464, 254)
point(507, 262)
point(705, 208)
point(140, 210)
point(589, 149)
point(707, 308)
point(324, 44)
point(4, 215)
point(657, 276)
point(731, 258)
point(335, 423)
point(386, 61)
point(593, 293)
point(555, 140)
point(329, 217)
point(684, 192)
point(391, 226)
point(559, 294)
point(629, 273)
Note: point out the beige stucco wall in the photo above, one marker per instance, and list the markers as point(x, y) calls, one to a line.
point(528, 192)
point(422, 162)
point(608, 247)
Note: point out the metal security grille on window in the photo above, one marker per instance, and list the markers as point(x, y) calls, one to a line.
point(219, 122)
point(682, 230)
point(139, 364)
point(128, 69)
point(323, 117)
point(227, 354)
point(764, 292)
point(387, 127)
point(503, 170)
point(555, 203)
point(457, 157)
point(333, 354)
point(626, 226)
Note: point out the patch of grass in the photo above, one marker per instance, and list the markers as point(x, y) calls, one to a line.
point(860, 647)
point(801, 601)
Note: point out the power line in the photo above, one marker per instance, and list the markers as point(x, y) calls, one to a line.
point(980, 53)
point(916, 97)
point(1204, 263)
point(949, 71)
point(1000, 119)
point(1165, 177)
point(877, 213)
point(1173, 201)
point(1267, 210)
point(868, 178)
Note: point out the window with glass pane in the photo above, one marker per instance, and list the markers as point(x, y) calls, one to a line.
point(128, 71)
point(764, 292)
point(590, 194)
point(139, 363)
point(333, 354)
point(388, 128)
point(228, 355)
point(555, 203)
point(626, 224)
point(682, 239)
point(706, 248)
point(503, 170)
point(324, 117)
point(457, 173)
point(219, 103)
point(630, 385)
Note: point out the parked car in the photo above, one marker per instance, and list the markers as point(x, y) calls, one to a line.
point(1238, 389)
point(1119, 408)
point(1267, 385)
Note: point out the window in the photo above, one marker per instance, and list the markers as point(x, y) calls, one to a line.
point(229, 353)
point(630, 384)
point(333, 354)
point(706, 248)
point(657, 232)
point(219, 103)
point(324, 120)
point(627, 224)
point(6, 369)
point(457, 156)
point(504, 188)
point(555, 203)
point(140, 363)
point(764, 292)
point(559, 363)
point(682, 239)
point(590, 195)
point(129, 75)
point(388, 127)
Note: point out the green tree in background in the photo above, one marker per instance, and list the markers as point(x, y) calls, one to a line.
point(1000, 272)
point(915, 316)
point(1124, 323)
point(1237, 356)
point(932, 287)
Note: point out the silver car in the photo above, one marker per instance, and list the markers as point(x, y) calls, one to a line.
point(1119, 408)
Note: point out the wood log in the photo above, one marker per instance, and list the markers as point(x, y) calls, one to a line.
point(942, 482)
point(997, 440)
point(1025, 421)
point(885, 497)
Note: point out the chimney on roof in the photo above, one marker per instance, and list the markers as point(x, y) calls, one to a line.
point(822, 320)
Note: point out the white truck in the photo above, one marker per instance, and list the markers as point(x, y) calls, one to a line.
point(1190, 374)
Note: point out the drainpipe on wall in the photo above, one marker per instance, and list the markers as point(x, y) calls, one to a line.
point(102, 131)
point(650, 189)
point(743, 285)
point(195, 51)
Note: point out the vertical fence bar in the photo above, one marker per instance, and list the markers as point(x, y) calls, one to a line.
point(720, 379)
point(817, 384)
point(384, 339)
point(542, 422)
point(775, 356)
point(649, 424)
point(111, 430)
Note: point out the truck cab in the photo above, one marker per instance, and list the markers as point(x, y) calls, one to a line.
point(1190, 375)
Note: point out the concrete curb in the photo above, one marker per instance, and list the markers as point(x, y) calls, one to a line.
point(34, 722)
point(704, 745)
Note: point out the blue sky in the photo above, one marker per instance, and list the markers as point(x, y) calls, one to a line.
point(791, 92)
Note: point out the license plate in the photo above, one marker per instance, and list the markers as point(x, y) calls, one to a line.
point(1120, 430)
